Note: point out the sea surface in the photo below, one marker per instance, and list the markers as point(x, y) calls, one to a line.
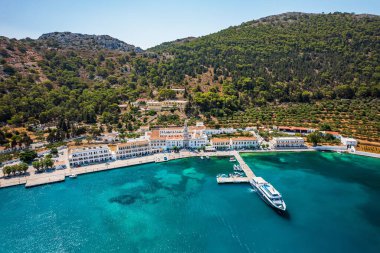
point(333, 205)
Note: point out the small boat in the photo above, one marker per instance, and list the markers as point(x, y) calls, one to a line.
point(232, 159)
point(73, 176)
point(237, 168)
point(268, 193)
point(207, 157)
point(202, 157)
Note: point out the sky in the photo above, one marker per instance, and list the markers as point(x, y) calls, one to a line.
point(146, 23)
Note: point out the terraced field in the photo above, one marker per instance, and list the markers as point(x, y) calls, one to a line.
point(356, 118)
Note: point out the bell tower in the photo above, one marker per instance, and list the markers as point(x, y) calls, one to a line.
point(185, 135)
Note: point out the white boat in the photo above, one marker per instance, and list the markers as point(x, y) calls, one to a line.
point(73, 176)
point(232, 159)
point(202, 157)
point(207, 157)
point(268, 193)
point(237, 168)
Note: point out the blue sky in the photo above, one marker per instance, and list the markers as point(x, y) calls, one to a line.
point(147, 23)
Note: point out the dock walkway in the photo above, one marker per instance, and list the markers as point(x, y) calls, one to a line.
point(229, 180)
point(44, 180)
point(247, 170)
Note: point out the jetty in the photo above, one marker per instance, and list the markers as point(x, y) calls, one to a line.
point(44, 180)
point(34, 179)
point(234, 179)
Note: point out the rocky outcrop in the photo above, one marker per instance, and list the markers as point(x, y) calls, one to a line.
point(85, 41)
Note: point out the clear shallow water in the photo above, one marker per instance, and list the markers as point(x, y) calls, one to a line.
point(333, 202)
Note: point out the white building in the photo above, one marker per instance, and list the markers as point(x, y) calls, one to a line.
point(349, 142)
point(221, 143)
point(244, 142)
point(336, 135)
point(88, 155)
point(214, 131)
point(181, 137)
point(239, 142)
point(288, 142)
point(134, 148)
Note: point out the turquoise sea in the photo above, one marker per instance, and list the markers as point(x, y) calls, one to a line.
point(333, 205)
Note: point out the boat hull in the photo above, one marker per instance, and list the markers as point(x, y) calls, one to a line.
point(267, 201)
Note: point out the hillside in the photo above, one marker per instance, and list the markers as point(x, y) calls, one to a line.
point(68, 79)
point(79, 41)
point(289, 57)
point(167, 45)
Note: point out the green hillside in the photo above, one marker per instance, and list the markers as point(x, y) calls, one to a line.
point(291, 57)
point(274, 62)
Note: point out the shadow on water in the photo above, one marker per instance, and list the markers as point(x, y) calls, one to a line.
point(285, 215)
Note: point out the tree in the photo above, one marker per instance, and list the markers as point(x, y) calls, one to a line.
point(54, 151)
point(314, 137)
point(122, 136)
point(23, 167)
point(166, 94)
point(27, 156)
point(344, 91)
point(176, 149)
point(48, 163)
point(89, 138)
point(325, 127)
point(40, 135)
point(37, 165)
point(26, 139)
point(7, 170)
point(77, 142)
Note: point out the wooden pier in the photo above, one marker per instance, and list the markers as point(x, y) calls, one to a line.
point(44, 180)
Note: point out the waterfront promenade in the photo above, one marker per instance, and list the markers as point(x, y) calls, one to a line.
point(33, 179)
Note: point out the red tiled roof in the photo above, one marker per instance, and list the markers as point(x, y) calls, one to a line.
point(332, 132)
point(192, 128)
point(131, 143)
point(243, 138)
point(220, 139)
point(292, 128)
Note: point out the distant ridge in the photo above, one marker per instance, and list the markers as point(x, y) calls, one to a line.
point(85, 41)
